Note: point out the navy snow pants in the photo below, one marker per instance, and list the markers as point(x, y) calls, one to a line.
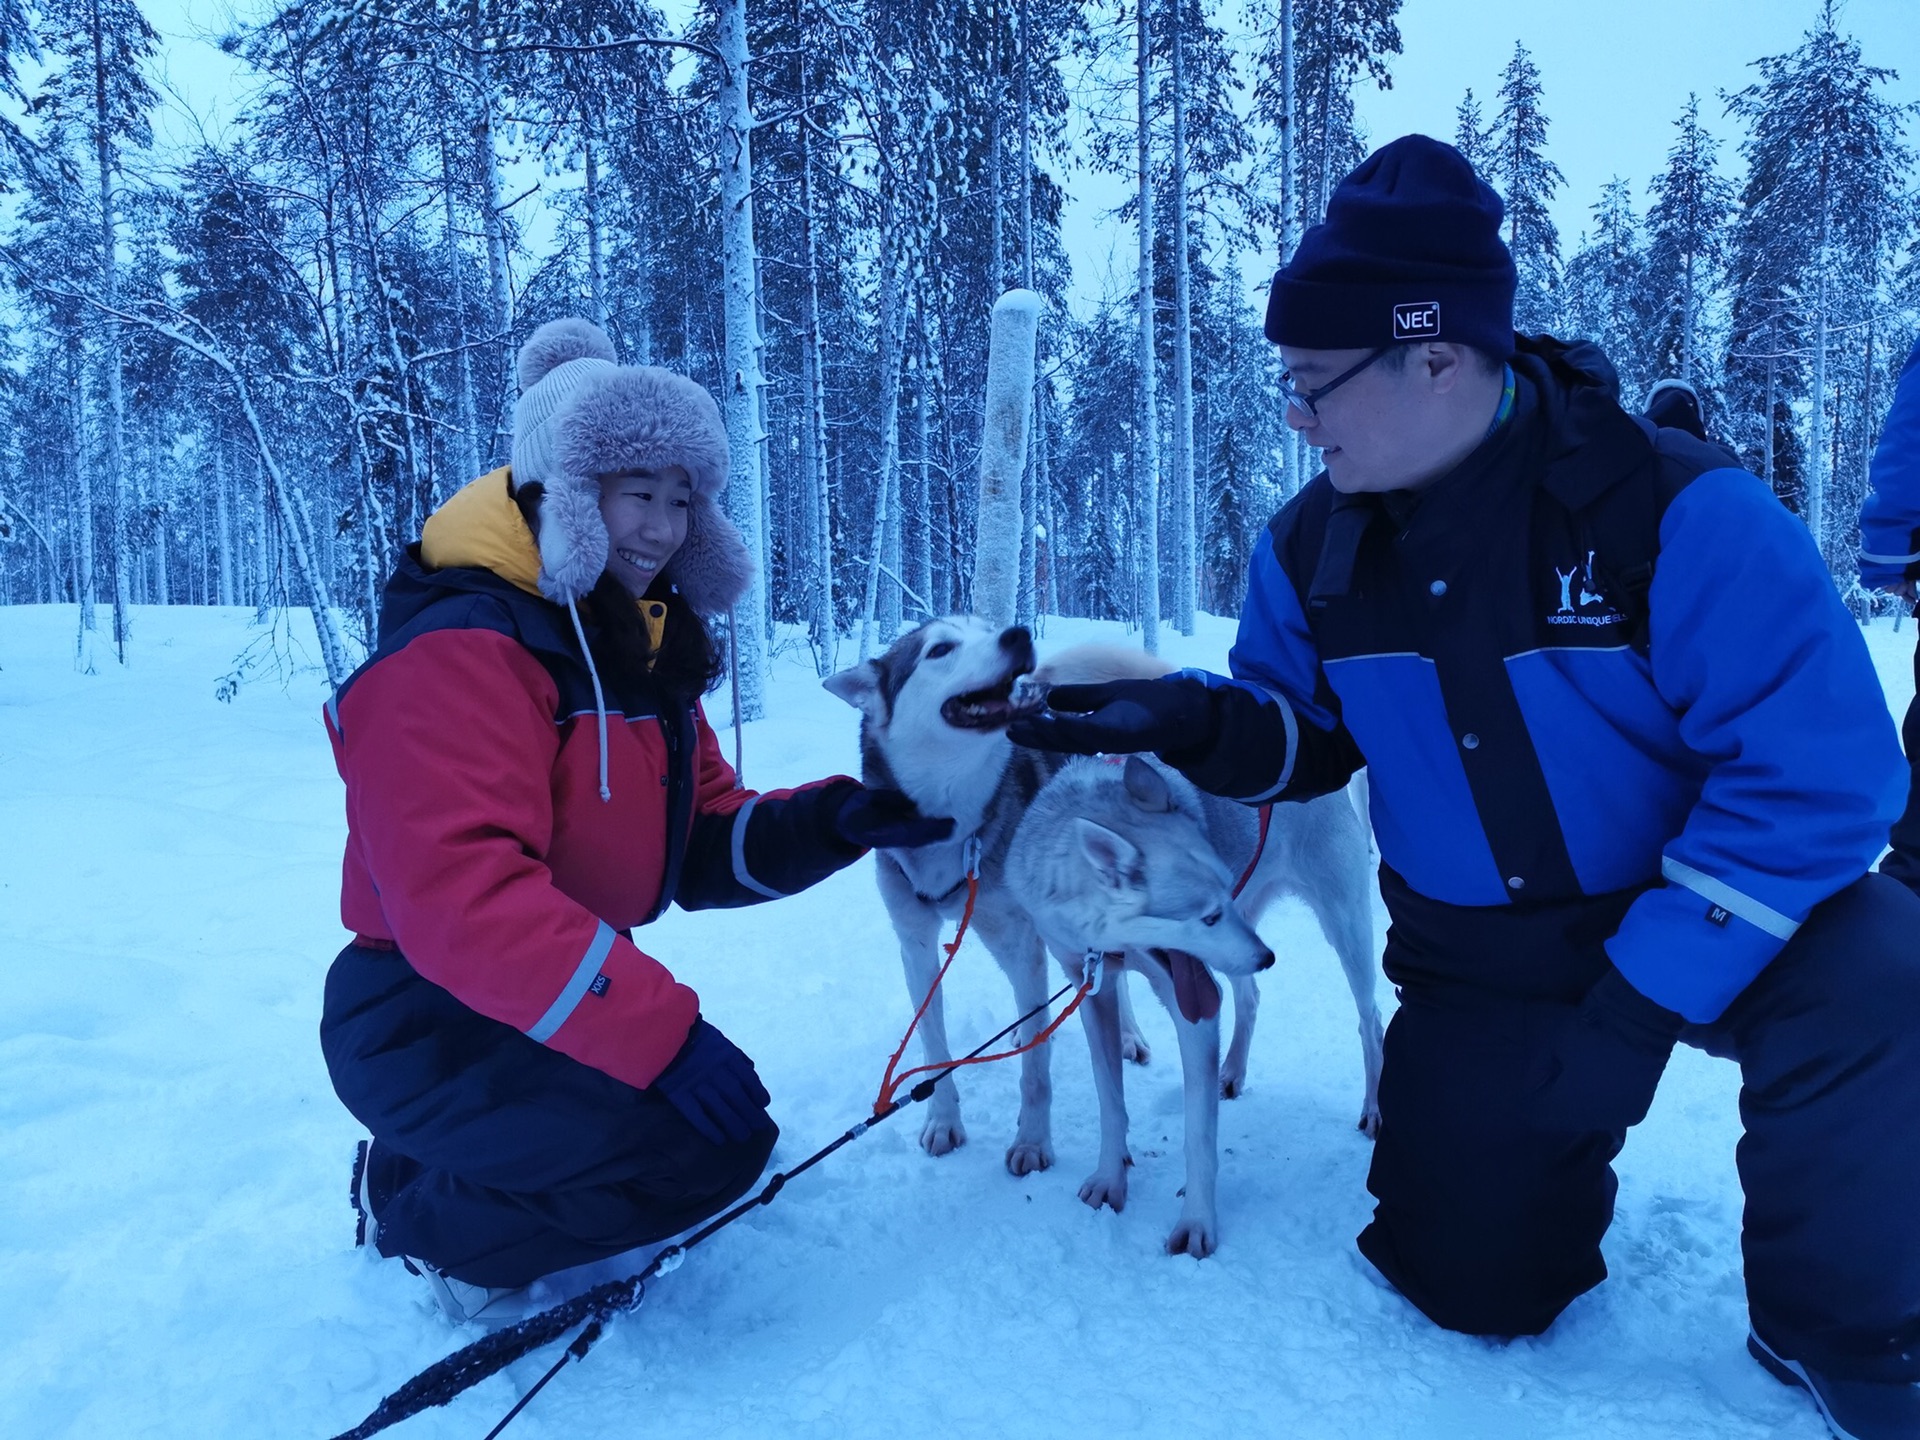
point(497, 1159)
point(1492, 1226)
point(1903, 861)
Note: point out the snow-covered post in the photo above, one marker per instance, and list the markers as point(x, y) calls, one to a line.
point(1003, 454)
point(739, 280)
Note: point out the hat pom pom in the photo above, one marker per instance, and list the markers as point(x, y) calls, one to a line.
point(557, 342)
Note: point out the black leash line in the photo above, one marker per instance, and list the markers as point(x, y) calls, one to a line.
point(461, 1371)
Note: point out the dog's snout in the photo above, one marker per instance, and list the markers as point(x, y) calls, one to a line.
point(1266, 960)
point(1016, 642)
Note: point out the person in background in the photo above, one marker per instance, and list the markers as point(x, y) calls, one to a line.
point(1676, 405)
point(1890, 561)
point(529, 777)
point(1618, 805)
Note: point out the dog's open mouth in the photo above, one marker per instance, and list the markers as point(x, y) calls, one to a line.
point(987, 709)
point(1194, 988)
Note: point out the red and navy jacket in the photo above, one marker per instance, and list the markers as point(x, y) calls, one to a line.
point(1468, 648)
point(478, 843)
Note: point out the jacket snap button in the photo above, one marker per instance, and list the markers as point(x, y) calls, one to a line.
point(1470, 741)
point(1438, 587)
point(1514, 882)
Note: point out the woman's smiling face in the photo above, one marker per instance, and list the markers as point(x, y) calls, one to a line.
point(646, 517)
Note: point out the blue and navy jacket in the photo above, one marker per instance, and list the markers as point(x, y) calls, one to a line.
point(1890, 517)
point(1466, 645)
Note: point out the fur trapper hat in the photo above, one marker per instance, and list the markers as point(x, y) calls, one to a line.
point(581, 415)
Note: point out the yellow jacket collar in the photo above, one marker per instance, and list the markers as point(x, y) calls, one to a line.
point(480, 526)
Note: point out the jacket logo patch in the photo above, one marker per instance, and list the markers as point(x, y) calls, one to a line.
point(1580, 602)
point(1718, 915)
point(1416, 320)
point(599, 985)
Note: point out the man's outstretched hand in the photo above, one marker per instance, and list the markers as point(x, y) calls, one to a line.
point(1122, 717)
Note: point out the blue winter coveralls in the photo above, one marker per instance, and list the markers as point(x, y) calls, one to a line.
point(1889, 553)
point(1690, 782)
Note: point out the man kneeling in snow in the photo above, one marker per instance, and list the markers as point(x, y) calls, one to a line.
point(1617, 805)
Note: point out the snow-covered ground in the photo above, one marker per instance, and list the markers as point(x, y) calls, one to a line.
point(176, 1250)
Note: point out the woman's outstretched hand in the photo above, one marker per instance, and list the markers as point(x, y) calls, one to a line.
point(879, 819)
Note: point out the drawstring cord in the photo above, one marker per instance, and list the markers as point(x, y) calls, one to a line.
point(599, 699)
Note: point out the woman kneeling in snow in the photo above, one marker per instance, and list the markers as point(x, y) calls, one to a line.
point(529, 775)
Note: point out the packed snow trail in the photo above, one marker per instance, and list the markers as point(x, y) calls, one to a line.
point(176, 1248)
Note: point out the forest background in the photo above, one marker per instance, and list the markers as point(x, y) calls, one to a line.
point(263, 272)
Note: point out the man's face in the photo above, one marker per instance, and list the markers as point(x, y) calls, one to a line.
point(1389, 427)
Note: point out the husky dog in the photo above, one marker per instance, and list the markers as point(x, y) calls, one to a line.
point(934, 713)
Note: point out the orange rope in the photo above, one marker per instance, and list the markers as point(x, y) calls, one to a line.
point(888, 1082)
point(894, 1082)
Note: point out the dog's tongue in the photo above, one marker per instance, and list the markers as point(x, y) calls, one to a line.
point(1194, 987)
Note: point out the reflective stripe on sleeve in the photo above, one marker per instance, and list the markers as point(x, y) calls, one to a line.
point(1888, 559)
point(1761, 917)
point(1293, 746)
point(583, 977)
point(740, 871)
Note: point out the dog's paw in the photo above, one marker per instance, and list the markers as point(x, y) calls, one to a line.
point(1233, 1084)
point(1133, 1048)
point(1100, 1189)
point(942, 1136)
point(1195, 1235)
point(1025, 1157)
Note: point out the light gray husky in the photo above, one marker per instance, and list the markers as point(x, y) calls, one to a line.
point(1089, 856)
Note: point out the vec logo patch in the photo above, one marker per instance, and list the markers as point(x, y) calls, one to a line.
point(1416, 320)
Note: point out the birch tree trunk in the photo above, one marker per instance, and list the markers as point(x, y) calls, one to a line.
point(1817, 444)
point(1003, 455)
point(83, 522)
point(1185, 550)
point(739, 271)
point(223, 518)
point(1146, 411)
point(596, 261)
point(893, 318)
point(493, 223)
point(1289, 208)
point(114, 449)
point(824, 623)
point(469, 443)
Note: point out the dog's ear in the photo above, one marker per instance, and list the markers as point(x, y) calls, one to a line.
point(1115, 859)
point(1147, 786)
point(859, 687)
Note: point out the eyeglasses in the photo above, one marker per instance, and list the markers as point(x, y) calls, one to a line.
point(1309, 400)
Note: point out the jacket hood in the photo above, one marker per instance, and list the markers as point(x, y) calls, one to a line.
point(1591, 442)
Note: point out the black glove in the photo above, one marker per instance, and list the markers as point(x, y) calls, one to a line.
point(1173, 716)
point(714, 1084)
point(1596, 1064)
point(887, 820)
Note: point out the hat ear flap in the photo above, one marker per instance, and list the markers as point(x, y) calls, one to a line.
point(573, 542)
point(711, 568)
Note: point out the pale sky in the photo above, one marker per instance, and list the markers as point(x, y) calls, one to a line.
point(1615, 75)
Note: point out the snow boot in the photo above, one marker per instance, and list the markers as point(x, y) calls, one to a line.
point(466, 1304)
point(1853, 1409)
point(366, 1226)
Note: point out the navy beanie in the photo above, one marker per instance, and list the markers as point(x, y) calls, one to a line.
point(1410, 250)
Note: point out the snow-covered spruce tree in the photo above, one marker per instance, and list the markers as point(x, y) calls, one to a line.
point(1527, 181)
point(1472, 136)
point(99, 51)
point(1338, 41)
point(1686, 248)
point(1825, 199)
point(1604, 295)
